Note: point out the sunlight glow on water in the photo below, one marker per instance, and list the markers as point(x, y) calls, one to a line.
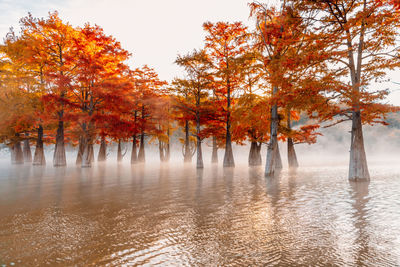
point(111, 215)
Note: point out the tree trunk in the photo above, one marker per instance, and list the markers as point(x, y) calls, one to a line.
point(358, 169)
point(187, 153)
point(134, 157)
point(91, 152)
point(161, 150)
point(252, 155)
point(168, 153)
point(255, 154)
point(278, 162)
point(141, 155)
point(102, 156)
point(17, 154)
point(59, 158)
point(228, 157)
point(292, 158)
point(87, 155)
point(119, 153)
point(12, 154)
point(27, 150)
point(199, 162)
point(164, 149)
point(168, 148)
point(214, 155)
point(39, 158)
point(274, 162)
point(81, 149)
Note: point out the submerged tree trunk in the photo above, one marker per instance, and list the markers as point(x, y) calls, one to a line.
point(141, 155)
point(199, 162)
point(214, 155)
point(87, 156)
point(134, 157)
point(228, 157)
point(168, 148)
point(255, 154)
point(291, 153)
point(274, 162)
point(187, 151)
point(81, 148)
point(292, 158)
point(119, 152)
point(102, 156)
point(91, 152)
point(358, 169)
point(162, 150)
point(39, 158)
point(17, 156)
point(27, 150)
point(278, 162)
point(59, 158)
point(12, 154)
point(168, 153)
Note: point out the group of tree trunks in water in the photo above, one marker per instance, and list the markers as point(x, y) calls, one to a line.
point(22, 154)
point(306, 64)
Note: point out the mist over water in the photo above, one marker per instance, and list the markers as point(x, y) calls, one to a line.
point(172, 214)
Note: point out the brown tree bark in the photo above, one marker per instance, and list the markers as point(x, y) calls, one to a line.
point(292, 158)
point(255, 154)
point(59, 158)
point(214, 155)
point(87, 156)
point(358, 168)
point(91, 152)
point(228, 157)
point(168, 153)
point(162, 148)
point(27, 150)
point(39, 158)
point(199, 162)
point(119, 152)
point(187, 151)
point(168, 148)
point(134, 157)
point(81, 148)
point(274, 162)
point(141, 155)
point(12, 154)
point(102, 156)
point(17, 156)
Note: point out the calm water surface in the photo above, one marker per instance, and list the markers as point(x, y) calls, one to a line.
point(175, 215)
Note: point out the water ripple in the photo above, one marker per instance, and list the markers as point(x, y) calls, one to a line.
point(183, 217)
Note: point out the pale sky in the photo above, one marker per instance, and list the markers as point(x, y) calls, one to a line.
point(154, 31)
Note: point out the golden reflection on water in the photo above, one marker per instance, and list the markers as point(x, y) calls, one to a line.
point(149, 214)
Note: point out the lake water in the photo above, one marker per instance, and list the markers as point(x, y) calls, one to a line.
point(175, 215)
